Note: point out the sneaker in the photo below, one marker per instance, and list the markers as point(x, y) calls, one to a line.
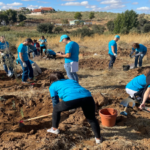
point(98, 141)
point(10, 75)
point(53, 131)
point(25, 82)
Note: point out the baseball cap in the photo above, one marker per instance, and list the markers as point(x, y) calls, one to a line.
point(63, 37)
point(29, 40)
point(117, 36)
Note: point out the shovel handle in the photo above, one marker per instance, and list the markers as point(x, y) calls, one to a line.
point(37, 117)
point(125, 109)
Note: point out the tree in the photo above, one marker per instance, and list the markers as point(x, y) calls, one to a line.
point(12, 15)
point(125, 21)
point(110, 26)
point(78, 15)
point(92, 15)
point(21, 17)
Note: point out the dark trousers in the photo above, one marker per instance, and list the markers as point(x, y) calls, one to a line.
point(41, 49)
point(140, 58)
point(88, 106)
point(27, 71)
point(112, 61)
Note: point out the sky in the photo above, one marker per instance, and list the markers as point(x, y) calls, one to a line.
point(116, 6)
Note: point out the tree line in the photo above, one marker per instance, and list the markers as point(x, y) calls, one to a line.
point(11, 16)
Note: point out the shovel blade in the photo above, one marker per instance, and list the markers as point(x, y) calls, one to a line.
point(126, 102)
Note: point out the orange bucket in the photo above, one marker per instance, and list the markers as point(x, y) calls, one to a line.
point(108, 117)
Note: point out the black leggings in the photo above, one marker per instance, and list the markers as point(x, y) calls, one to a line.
point(88, 107)
point(41, 49)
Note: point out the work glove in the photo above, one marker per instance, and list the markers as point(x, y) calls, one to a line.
point(24, 64)
point(142, 55)
point(2, 54)
point(130, 56)
point(115, 54)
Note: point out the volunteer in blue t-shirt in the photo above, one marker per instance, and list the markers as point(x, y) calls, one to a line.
point(43, 42)
point(3, 46)
point(135, 85)
point(24, 61)
point(73, 96)
point(140, 51)
point(71, 57)
point(50, 54)
point(112, 46)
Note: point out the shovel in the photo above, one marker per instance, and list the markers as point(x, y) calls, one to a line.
point(21, 121)
point(125, 103)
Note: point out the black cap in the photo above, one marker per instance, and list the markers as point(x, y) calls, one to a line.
point(29, 40)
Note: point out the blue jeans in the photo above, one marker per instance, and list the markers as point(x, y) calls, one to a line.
point(140, 58)
point(71, 75)
point(5, 66)
point(112, 61)
point(27, 71)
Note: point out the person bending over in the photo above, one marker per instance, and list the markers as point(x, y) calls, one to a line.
point(136, 85)
point(4, 45)
point(73, 96)
point(112, 46)
point(140, 51)
point(71, 57)
point(24, 61)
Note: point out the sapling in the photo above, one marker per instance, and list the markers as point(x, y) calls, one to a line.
point(22, 114)
point(13, 105)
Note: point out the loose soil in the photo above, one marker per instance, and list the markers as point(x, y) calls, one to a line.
point(27, 101)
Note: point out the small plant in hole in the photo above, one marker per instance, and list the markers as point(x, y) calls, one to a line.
point(22, 114)
point(13, 105)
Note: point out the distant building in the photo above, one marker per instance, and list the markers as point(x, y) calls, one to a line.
point(42, 10)
point(74, 22)
point(87, 23)
point(21, 9)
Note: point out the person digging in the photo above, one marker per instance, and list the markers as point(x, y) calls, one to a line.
point(136, 87)
point(112, 46)
point(73, 96)
point(71, 57)
point(146, 93)
point(24, 61)
point(140, 51)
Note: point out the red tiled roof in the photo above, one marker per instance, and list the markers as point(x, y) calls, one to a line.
point(37, 10)
point(47, 8)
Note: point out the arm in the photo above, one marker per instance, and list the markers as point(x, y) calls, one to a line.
point(68, 55)
point(133, 50)
point(146, 96)
point(54, 95)
point(55, 100)
point(113, 49)
point(20, 55)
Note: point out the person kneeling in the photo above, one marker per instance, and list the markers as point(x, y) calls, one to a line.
point(73, 96)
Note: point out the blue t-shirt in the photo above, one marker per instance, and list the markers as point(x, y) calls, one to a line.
point(73, 48)
point(31, 62)
point(137, 83)
point(51, 52)
point(112, 43)
point(42, 41)
point(68, 90)
point(23, 49)
point(4, 45)
point(142, 48)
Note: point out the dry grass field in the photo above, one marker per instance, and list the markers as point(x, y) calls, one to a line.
point(107, 88)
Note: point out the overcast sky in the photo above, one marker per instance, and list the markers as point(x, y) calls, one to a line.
point(140, 6)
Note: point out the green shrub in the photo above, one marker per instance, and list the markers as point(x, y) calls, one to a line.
point(78, 15)
point(65, 21)
point(21, 24)
point(142, 21)
point(110, 26)
point(4, 28)
point(146, 28)
point(99, 29)
point(135, 30)
point(125, 22)
point(45, 28)
point(82, 32)
point(58, 29)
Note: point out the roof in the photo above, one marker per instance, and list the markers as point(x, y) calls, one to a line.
point(37, 10)
point(47, 8)
point(43, 9)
